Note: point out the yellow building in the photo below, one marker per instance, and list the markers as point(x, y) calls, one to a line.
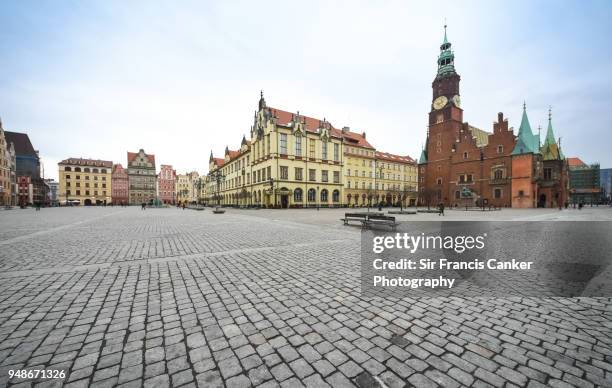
point(396, 179)
point(187, 187)
point(85, 181)
point(359, 168)
point(298, 161)
point(291, 161)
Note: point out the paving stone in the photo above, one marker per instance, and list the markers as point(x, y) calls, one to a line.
point(160, 381)
point(243, 298)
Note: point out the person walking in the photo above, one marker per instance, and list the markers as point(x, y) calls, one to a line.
point(441, 209)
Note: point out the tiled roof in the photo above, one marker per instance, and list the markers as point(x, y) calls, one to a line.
point(22, 143)
point(393, 158)
point(87, 162)
point(576, 162)
point(312, 124)
point(356, 139)
point(219, 162)
point(132, 156)
point(233, 154)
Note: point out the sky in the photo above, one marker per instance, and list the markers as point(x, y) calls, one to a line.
point(95, 79)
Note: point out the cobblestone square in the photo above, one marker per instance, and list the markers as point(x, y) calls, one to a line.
point(183, 298)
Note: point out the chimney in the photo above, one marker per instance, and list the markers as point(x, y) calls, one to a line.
point(500, 117)
point(363, 134)
point(345, 129)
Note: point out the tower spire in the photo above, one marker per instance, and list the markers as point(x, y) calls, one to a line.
point(446, 59)
point(262, 101)
point(445, 38)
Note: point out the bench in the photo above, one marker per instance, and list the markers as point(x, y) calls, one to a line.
point(354, 217)
point(379, 220)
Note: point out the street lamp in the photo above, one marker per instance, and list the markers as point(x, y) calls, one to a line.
point(272, 190)
point(217, 177)
point(380, 174)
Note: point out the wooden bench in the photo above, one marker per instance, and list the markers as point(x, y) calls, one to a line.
point(372, 221)
point(354, 217)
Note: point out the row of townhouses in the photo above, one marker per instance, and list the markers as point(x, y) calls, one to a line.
point(293, 160)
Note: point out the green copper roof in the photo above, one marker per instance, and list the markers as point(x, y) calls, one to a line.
point(527, 142)
point(446, 59)
point(445, 38)
point(550, 149)
point(423, 158)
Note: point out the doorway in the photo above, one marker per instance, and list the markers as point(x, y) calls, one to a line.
point(542, 201)
point(284, 201)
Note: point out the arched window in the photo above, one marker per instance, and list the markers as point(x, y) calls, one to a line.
point(67, 168)
point(297, 195)
point(95, 170)
point(312, 195)
point(86, 169)
point(336, 196)
point(324, 195)
point(77, 169)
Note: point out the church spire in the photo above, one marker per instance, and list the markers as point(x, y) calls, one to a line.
point(550, 136)
point(551, 149)
point(526, 141)
point(262, 101)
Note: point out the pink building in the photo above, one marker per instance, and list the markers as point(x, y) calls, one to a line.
point(119, 185)
point(166, 184)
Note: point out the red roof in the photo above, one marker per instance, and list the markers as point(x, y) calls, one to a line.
point(394, 158)
point(132, 155)
point(312, 124)
point(356, 139)
point(575, 162)
point(233, 154)
point(219, 162)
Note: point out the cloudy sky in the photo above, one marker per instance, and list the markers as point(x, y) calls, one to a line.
point(98, 78)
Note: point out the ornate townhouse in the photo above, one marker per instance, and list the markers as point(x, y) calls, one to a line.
point(188, 187)
point(85, 180)
point(291, 161)
point(166, 184)
point(142, 177)
point(119, 185)
point(396, 179)
point(6, 182)
point(359, 168)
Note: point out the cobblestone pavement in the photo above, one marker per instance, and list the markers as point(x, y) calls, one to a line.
point(166, 297)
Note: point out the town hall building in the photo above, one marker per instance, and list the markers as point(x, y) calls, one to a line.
point(462, 165)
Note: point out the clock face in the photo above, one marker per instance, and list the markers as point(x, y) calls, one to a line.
point(440, 102)
point(457, 101)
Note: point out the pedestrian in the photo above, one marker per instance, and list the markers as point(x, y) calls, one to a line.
point(441, 208)
point(183, 205)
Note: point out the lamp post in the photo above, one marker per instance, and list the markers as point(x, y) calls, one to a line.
point(217, 177)
point(380, 174)
point(272, 190)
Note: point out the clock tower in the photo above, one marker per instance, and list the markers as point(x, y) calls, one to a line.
point(446, 103)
